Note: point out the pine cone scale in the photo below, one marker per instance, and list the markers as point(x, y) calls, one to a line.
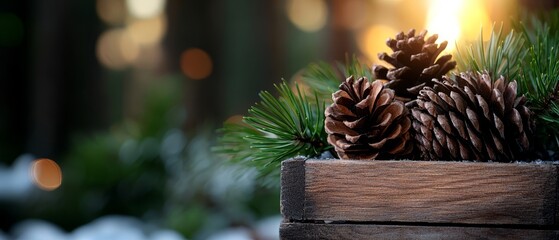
point(475, 118)
point(401, 144)
point(381, 101)
point(340, 111)
point(443, 121)
point(354, 139)
point(432, 70)
point(473, 136)
point(357, 124)
point(498, 102)
point(415, 62)
point(335, 127)
point(458, 102)
point(500, 126)
point(377, 126)
point(484, 106)
point(458, 125)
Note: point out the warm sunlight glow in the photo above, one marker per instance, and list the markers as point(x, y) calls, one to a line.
point(373, 40)
point(145, 8)
point(456, 20)
point(351, 14)
point(444, 19)
point(46, 174)
point(307, 15)
point(147, 31)
point(474, 17)
point(116, 49)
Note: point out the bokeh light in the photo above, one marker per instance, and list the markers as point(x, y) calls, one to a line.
point(390, 1)
point(474, 16)
point(307, 15)
point(116, 49)
point(151, 57)
point(145, 8)
point(112, 12)
point(12, 29)
point(372, 41)
point(351, 14)
point(444, 19)
point(458, 20)
point(196, 63)
point(147, 31)
point(46, 174)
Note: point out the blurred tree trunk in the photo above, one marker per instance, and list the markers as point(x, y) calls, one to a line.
point(14, 99)
point(66, 93)
point(341, 38)
point(243, 41)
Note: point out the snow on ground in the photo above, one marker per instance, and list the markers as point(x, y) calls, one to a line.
point(108, 227)
point(267, 229)
point(15, 181)
point(129, 228)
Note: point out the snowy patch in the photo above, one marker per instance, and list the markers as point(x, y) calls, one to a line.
point(15, 181)
point(108, 227)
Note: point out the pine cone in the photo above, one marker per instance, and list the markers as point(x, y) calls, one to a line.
point(473, 118)
point(415, 64)
point(366, 122)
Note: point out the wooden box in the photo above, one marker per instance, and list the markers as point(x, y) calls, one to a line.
point(343, 199)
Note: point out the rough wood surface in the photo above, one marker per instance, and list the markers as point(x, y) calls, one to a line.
point(420, 191)
point(295, 231)
point(292, 189)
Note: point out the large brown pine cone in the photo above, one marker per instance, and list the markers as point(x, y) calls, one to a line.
point(415, 62)
point(366, 122)
point(473, 118)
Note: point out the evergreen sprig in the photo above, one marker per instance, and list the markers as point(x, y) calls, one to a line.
point(324, 78)
point(500, 55)
point(539, 80)
point(275, 129)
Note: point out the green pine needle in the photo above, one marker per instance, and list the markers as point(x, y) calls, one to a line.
point(539, 80)
point(275, 129)
point(325, 79)
point(501, 55)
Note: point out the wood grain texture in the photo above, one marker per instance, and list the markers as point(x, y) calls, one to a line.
point(422, 191)
point(295, 231)
point(292, 191)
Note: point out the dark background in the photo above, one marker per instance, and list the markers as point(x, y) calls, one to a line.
point(59, 101)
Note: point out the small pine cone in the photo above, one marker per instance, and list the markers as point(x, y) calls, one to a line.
point(365, 122)
point(473, 118)
point(415, 64)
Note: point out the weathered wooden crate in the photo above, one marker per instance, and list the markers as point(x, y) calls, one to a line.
point(341, 199)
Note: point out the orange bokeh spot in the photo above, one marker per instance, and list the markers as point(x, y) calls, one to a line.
point(196, 63)
point(46, 174)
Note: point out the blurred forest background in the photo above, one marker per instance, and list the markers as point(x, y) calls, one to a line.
point(125, 96)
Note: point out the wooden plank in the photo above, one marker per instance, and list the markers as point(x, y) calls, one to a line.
point(292, 191)
point(294, 231)
point(421, 191)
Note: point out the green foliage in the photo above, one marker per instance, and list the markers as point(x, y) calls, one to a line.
point(117, 171)
point(325, 78)
point(539, 80)
point(500, 55)
point(147, 167)
point(276, 129)
point(529, 54)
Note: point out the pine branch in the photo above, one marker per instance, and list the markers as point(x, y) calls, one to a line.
point(500, 56)
point(325, 78)
point(276, 129)
point(539, 80)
